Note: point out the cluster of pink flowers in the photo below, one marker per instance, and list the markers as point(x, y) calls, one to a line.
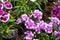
point(4, 16)
point(38, 25)
point(55, 20)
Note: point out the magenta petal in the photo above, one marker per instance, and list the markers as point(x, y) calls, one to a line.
point(6, 14)
point(1, 6)
point(57, 34)
point(19, 20)
point(38, 30)
point(57, 7)
point(28, 37)
point(27, 32)
point(1, 13)
point(54, 12)
point(58, 15)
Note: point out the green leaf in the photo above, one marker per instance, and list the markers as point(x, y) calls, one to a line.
point(11, 20)
point(55, 27)
point(16, 6)
point(57, 39)
point(38, 6)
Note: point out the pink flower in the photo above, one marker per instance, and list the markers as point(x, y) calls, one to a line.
point(37, 14)
point(29, 24)
point(7, 5)
point(55, 20)
point(57, 34)
point(41, 24)
point(29, 35)
point(19, 20)
point(4, 16)
point(24, 17)
point(48, 28)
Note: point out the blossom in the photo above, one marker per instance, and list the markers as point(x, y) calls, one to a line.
point(29, 35)
point(1, 6)
point(29, 24)
point(57, 7)
point(55, 20)
point(38, 30)
point(58, 16)
point(4, 16)
point(33, 0)
point(48, 28)
point(57, 34)
point(39, 26)
point(1, 12)
point(7, 5)
point(37, 14)
point(19, 20)
point(24, 17)
point(54, 12)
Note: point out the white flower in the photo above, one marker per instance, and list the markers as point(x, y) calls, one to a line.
point(33, 0)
